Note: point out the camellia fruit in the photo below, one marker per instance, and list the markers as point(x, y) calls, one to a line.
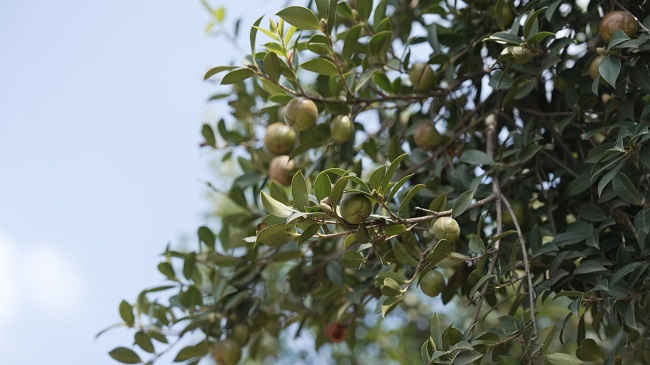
point(355, 208)
point(280, 169)
point(301, 114)
point(336, 331)
point(432, 283)
point(594, 67)
point(226, 352)
point(520, 214)
point(618, 20)
point(421, 76)
point(446, 228)
point(280, 138)
point(342, 129)
point(427, 137)
point(241, 333)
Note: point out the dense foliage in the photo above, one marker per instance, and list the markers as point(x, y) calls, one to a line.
point(515, 121)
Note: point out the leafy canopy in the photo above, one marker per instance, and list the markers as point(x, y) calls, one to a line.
point(540, 157)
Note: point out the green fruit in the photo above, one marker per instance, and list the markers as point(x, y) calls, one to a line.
point(280, 169)
point(241, 333)
point(507, 16)
point(301, 114)
point(226, 352)
point(355, 208)
point(446, 228)
point(342, 129)
point(421, 76)
point(427, 137)
point(594, 67)
point(280, 138)
point(432, 283)
point(520, 214)
point(618, 20)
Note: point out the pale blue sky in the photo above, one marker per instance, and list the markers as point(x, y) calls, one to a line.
point(101, 104)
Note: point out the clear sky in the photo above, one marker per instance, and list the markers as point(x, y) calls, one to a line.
point(101, 104)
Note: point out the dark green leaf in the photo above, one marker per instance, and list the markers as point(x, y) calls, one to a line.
point(126, 312)
point(609, 69)
point(237, 75)
point(476, 157)
point(321, 66)
point(215, 70)
point(624, 188)
point(125, 355)
point(462, 203)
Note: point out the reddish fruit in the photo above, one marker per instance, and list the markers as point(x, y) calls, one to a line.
point(337, 332)
point(226, 352)
point(301, 113)
point(618, 20)
point(280, 169)
point(280, 138)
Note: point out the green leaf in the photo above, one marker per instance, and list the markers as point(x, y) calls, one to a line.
point(390, 172)
point(253, 35)
point(125, 355)
point(272, 66)
point(467, 357)
point(275, 235)
point(299, 191)
point(208, 133)
point(642, 220)
point(462, 203)
point(588, 267)
point(440, 252)
point(364, 8)
point(126, 312)
point(609, 69)
point(308, 233)
point(562, 359)
point(589, 351)
point(436, 332)
point(505, 37)
point(142, 340)
point(351, 41)
point(207, 236)
point(321, 66)
point(215, 70)
point(199, 350)
point(300, 17)
point(624, 188)
point(274, 207)
point(237, 75)
point(352, 259)
point(476, 157)
point(403, 206)
point(322, 186)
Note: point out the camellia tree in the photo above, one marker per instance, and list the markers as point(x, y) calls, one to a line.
point(493, 155)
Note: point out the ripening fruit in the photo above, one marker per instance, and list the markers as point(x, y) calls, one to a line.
point(241, 333)
point(594, 67)
point(446, 228)
point(432, 283)
point(226, 352)
point(618, 20)
point(280, 169)
point(520, 213)
point(427, 137)
point(342, 129)
point(355, 208)
point(421, 76)
point(336, 331)
point(280, 138)
point(301, 114)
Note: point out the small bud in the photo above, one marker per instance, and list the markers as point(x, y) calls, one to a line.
point(323, 25)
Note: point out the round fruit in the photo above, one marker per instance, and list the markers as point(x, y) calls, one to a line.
point(594, 67)
point(226, 352)
point(446, 228)
point(432, 283)
point(241, 333)
point(342, 129)
point(280, 138)
point(520, 214)
point(301, 114)
point(421, 76)
point(336, 331)
point(427, 137)
point(355, 208)
point(506, 17)
point(280, 169)
point(618, 20)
